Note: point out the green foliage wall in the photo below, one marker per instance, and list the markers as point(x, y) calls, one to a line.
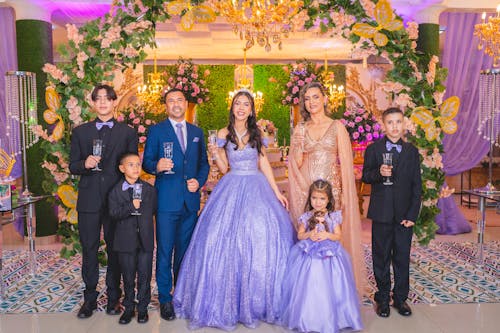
point(428, 38)
point(271, 80)
point(34, 49)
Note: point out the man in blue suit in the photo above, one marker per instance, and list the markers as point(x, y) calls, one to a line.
point(178, 192)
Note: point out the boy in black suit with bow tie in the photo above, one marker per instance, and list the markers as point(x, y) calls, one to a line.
point(394, 208)
point(134, 235)
point(97, 175)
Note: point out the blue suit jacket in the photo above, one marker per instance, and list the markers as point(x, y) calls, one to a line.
point(172, 188)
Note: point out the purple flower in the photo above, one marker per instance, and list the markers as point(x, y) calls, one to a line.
point(376, 135)
point(369, 137)
point(376, 127)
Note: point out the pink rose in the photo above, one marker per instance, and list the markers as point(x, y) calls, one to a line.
point(148, 122)
point(295, 100)
point(350, 124)
point(289, 84)
point(295, 90)
point(136, 121)
point(361, 129)
point(300, 83)
point(199, 100)
point(369, 137)
point(308, 80)
point(368, 127)
point(141, 129)
point(375, 135)
point(358, 119)
point(355, 135)
point(142, 139)
point(131, 115)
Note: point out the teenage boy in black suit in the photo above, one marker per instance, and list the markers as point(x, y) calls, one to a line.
point(134, 236)
point(93, 188)
point(393, 210)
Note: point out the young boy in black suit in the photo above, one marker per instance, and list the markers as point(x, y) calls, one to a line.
point(98, 173)
point(134, 235)
point(394, 208)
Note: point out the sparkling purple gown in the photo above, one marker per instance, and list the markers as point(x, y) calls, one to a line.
point(233, 269)
point(319, 293)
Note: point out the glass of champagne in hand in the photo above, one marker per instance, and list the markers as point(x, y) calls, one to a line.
point(212, 139)
point(137, 195)
point(168, 152)
point(387, 160)
point(97, 151)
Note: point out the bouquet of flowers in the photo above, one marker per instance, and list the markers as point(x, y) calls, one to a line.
point(184, 75)
point(266, 126)
point(361, 125)
point(137, 117)
point(301, 73)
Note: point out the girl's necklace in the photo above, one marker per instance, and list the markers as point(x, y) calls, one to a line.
point(240, 136)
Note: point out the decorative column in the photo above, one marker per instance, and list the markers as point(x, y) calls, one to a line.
point(34, 49)
point(428, 29)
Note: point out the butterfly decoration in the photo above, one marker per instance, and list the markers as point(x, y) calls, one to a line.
point(6, 163)
point(68, 197)
point(53, 101)
point(384, 19)
point(423, 117)
point(193, 14)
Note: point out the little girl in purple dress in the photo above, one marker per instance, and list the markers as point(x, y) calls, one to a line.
point(319, 293)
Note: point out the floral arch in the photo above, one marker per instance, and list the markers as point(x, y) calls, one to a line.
point(116, 42)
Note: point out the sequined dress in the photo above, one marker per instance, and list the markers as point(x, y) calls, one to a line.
point(233, 269)
point(319, 293)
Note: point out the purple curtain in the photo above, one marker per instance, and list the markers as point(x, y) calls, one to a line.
point(8, 62)
point(464, 62)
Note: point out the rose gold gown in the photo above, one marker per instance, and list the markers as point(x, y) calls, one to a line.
point(330, 158)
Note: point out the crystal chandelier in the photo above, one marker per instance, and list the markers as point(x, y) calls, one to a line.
point(260, 21)
point(243, 83)
point(150, 93)
point(336, 93)
point(489, 36)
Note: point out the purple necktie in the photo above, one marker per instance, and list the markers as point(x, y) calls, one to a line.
point(180, 136)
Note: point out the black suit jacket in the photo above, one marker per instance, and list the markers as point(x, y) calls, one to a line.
point(94, 186)
point(400, 201)
point(129, 228)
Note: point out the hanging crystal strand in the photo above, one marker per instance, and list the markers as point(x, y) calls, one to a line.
point(21, 103)
point(489, 116)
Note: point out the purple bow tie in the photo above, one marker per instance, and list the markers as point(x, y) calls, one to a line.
point(126, 186)
point(389, 146)
point(99, 125)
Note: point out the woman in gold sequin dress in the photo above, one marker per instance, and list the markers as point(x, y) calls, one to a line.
point(321, 149)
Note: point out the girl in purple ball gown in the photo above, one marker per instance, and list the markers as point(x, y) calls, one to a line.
point(319, 293)
point(233, 269)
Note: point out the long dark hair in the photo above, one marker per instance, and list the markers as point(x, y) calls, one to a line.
point(321, 186)
point(255, 138)
point(302, 102)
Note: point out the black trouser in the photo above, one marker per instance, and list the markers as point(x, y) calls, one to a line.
point(89, 227)
point(138, 263)
point(391, 242)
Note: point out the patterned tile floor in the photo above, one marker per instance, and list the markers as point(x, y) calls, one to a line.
point(443, 272)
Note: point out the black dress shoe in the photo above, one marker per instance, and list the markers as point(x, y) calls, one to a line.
point(167, 311)
point(113, 308)
point(403, 308)
point(382, 309)
point(126, 317)
point(142, 317)
point(87, 309)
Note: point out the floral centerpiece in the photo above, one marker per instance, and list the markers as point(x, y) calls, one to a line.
point(301, 73)
point(137, 117)
point(184, 75)
point(266, 126)
point(361, 125)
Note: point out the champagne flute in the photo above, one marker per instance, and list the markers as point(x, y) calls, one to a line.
point(137, 195)
point(168, 152)
point(97, 151)
point(387, 160)
point(212, 139)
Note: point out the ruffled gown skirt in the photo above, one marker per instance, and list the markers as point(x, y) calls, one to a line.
point(319, 293)
point(233, 269)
